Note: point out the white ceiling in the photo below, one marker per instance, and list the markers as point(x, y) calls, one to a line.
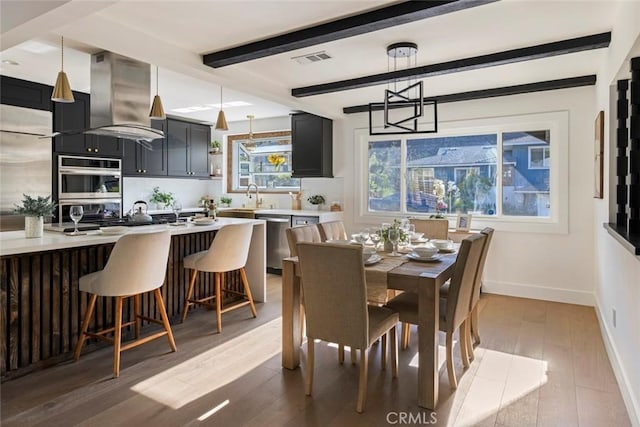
point(174, 35)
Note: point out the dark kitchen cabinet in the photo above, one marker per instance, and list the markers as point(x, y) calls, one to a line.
point(139, 160)
point(311, 146)
point(76, 116)
point(26, 94)
point(187, 149)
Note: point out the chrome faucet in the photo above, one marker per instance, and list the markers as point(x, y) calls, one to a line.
point(257, 193)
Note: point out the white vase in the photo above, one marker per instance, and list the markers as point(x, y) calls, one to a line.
point(33, 226)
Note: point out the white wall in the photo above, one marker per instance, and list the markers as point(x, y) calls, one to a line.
point(187, 191)
point(547, 266)
point(617, 271)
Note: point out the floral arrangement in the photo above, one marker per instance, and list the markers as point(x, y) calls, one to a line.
point(215, 145)
point(225, 200)
point(316, 199)
point(204, 201)
point(40, 206)
point(384, 232)
point(276, 160)
point(439, 191)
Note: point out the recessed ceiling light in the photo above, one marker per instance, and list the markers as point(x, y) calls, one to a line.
point(37, 47)
point(10, 62)
point(310, 58)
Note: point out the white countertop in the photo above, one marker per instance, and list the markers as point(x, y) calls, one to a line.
point(14, 242)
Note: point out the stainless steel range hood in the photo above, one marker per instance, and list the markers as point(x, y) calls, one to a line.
point(120, 94)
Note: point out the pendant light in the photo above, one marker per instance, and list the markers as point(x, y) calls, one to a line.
point(157, 112)
point(221, 123)
point(62, 89)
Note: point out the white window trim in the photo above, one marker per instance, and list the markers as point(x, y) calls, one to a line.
point(556, 122)
point(543, 148)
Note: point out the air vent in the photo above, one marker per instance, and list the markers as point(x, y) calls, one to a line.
point(311, 57)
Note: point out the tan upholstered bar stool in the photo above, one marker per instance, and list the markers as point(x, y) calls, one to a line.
point(137, 264)
point(228, 252)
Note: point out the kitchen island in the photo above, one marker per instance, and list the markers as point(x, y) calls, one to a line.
point(41, 308)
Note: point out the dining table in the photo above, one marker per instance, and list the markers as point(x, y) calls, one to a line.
point(422, 278)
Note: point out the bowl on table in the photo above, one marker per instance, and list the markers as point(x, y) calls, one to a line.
point(416, 235)
point(426, 251)
point(367, 253)
point(442, 244)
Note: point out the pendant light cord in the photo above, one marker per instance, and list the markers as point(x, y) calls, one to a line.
point(157, 91)
point(62, 52)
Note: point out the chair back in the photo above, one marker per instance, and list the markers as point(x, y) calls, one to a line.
point(229, 249)
point(464, 274)
point(475, 296)
point(335, 294)
point(306, 233)
point(332, 230)
point(137, 264)
point(433, 228)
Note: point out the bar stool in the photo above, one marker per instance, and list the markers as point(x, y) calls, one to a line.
point(137, 264)
point(228, 252)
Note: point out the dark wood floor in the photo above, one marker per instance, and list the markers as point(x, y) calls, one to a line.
point(539, 363)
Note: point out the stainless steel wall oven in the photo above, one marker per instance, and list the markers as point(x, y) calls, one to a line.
point(93, 182)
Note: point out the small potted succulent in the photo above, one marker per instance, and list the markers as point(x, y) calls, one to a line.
point(317, 200)
point(225, 201)
point(34, 210)
point(215, 146)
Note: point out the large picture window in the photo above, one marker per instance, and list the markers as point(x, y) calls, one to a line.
point(504, 171)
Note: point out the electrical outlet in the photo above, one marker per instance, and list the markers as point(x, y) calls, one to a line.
point(614, 318)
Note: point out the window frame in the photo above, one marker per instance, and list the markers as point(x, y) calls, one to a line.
point(557, 123)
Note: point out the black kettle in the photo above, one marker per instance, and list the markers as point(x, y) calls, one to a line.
point(138, 215)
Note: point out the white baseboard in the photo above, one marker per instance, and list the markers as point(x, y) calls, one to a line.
point(630, 399)
point(539, 292)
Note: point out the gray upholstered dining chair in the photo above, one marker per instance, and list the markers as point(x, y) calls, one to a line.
point(332, 230)
point(335, 289)
point(433, 228)
point(228, 252)
point(136, 265)
point(454, 310)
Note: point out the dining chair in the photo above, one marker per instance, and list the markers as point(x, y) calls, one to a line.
point(136, 265)
point(332, 230)
point(228, 252)
point(334, 283)
point(454, 310)
point(433, 228)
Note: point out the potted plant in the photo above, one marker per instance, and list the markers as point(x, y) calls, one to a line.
point(225, 201)
point(215, 146)
point(35, 209)
point(316, 200)
point(161, 199)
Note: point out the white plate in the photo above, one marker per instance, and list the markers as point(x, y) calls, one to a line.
point(114, 230)
point(420, 240)
point(204, 222)
point(373, 259)
point(414, 256)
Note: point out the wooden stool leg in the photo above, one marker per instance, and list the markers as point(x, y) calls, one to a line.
point(247, 290)
point(394, 351)
point(218, 302)
point(165, 319)
point(222, 280)
point(383, 356)
point(308, 384)
point(187, 297)
point(117, 336)
point(462, 337)
point(362, 384)
point(136, 314)
point(406, 332)
point(85, 326)
point(450, 368)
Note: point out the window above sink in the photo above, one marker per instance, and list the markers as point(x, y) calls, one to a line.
point(263, 159)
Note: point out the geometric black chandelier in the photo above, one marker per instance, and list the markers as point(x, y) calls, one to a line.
point(403, 106)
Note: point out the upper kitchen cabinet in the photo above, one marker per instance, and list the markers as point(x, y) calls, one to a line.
point(76, 116)
point(187, 149)
point(26, 94)
point(138, 160)
point(312, 146)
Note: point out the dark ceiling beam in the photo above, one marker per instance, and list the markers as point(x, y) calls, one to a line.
point(390, 16)
point(595, 41)
point(492, 93)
